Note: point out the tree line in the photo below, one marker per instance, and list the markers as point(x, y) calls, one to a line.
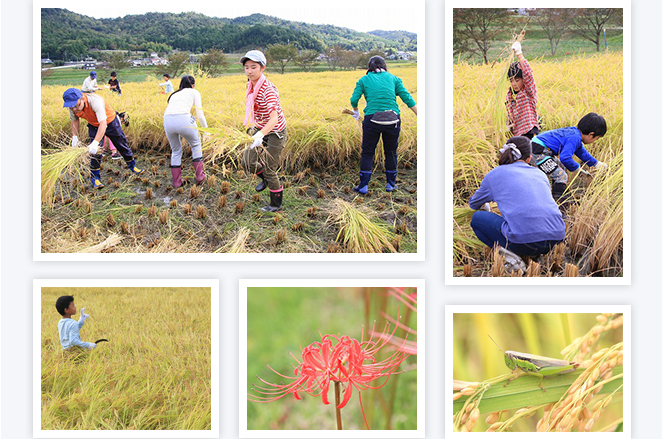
point(66, 35)
point(476, 29)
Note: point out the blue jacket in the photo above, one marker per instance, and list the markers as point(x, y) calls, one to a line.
point(565, 142)
point(522, 193)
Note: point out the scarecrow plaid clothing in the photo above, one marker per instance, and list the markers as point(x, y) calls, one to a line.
point(522, 105)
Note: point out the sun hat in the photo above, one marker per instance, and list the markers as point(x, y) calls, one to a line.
point(254, 55)
point(71, 97)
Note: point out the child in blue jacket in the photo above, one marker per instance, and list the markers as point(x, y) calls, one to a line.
point(553, 151)
point(69, 328)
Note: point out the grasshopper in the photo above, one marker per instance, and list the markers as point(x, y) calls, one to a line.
point(535, 365)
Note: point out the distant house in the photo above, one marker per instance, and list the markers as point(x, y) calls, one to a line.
point(90, 65)
point(136, 62)
point(46, 61)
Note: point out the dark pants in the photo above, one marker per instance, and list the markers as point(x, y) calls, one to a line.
point(371, 136)
point(116, 135)
point(488, 228)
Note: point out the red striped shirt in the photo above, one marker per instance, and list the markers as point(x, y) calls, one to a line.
point(267, 100)
point(522, 105)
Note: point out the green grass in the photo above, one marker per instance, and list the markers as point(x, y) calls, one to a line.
point(537, 46)
point(74, 77)
point(284, 320)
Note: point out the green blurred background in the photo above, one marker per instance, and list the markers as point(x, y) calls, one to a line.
point(284, 320)
point(476, 358)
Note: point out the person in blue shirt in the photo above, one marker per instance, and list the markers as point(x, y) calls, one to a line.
point(381, 118)
point(167, 83)
point(553, 151)
point(531, 223)
point(69, 328)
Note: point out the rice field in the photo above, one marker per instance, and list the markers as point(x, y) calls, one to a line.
point(587, 398)
point(154, 373)
point(320, 166)
point(567, 90)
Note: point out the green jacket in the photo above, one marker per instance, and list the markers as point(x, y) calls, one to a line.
point(380, 90)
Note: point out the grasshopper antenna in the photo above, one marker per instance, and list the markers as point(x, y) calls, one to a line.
point(491, 338)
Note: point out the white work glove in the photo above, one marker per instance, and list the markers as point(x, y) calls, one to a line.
point(355, 114)
point(93, 345)
point(74, 141)
point(84, 316)
point(257, 139)
point(206, 137)
point(583, 171)
point(486, 207)
point(601, 166)
point(517, 48)
point(93, 147)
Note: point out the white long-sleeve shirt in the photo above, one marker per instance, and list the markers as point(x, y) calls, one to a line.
point(70, 335)
point(90, 85)
point(182, 101)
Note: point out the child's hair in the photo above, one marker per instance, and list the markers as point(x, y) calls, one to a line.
point(187, 81)
point(113, 74)
point(166, 75)
point(515, 71)
point(524, 146)
point(593, 123)
point(376, 64)
point(63, 303)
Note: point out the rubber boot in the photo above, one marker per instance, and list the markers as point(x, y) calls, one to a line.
point(275, 201)
point(263, 183)
point(391, 181)
point(95, 178)
point(364, 178)
point(176, 172)
point(557, 190)
point(133, 168)
point(200, 175)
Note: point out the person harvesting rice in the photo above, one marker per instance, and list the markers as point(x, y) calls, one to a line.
point(521, 97)
point(381, 118)
point(531, 223)
point(266, 122)
point(69, 329)
point(178, 121)
point(553, 150)
point(102, 121)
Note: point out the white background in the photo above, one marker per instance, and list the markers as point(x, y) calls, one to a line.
point(18, 268)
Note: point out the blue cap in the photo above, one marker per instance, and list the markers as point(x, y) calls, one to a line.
point(93, 74)
point(71, 97)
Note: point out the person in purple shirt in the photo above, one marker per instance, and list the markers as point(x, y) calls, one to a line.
point(553, 150)
point(531, 223)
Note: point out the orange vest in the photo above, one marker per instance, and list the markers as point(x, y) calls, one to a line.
point(88, 113)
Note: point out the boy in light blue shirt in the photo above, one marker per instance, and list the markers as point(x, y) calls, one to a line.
point(167, 83)
point(69, 328)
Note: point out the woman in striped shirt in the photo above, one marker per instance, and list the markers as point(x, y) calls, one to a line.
point(266, 123)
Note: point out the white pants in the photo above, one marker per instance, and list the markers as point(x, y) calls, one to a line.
point(184, 125)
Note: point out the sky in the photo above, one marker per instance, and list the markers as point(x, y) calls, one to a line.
point(359, 15)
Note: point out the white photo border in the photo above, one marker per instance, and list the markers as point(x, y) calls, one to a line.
point(448, 127)
point(420, 432)
point(38, 284)
point(450, 310)
point(415, 6)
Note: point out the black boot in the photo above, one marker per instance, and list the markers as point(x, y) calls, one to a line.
point(275, 201)
point(263, 183)
point(557, 190)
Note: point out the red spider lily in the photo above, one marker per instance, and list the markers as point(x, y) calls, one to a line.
point(336, 359)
